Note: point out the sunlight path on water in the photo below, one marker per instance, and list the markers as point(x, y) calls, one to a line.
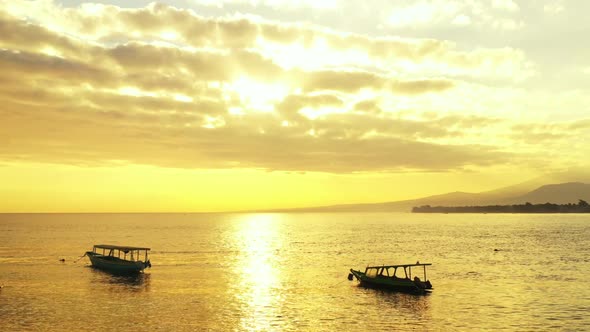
point(258, 240)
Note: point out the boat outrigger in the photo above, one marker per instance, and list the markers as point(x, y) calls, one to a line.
point(119, 259)
point(385, 277)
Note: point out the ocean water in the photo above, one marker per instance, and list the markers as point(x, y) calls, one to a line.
point(288, 272)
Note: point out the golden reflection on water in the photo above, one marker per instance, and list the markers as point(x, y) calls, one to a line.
point(120, 283)
point(417, 306)
point(258, 289)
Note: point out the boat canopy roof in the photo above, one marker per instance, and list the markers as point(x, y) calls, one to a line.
point(399, 265)
point(122, 248)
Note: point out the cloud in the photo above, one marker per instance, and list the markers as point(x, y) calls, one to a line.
point(294, 103)
point(554, 7)
point(367, 106)
point(39, 65)
point(276, 4)
point(422, 86)
point(550, 134)
point(167, 87)
point(61, 137)
point(419, 14)
point(583, 124)
point(508, 5)
point(287, 45)
point(462, 20)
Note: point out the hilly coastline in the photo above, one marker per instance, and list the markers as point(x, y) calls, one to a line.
point(558, 193)
point(581, 207)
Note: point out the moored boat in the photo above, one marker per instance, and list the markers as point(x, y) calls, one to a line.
point(386, 277)
point(119, 259)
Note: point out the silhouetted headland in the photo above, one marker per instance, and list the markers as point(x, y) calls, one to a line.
point(581, 207)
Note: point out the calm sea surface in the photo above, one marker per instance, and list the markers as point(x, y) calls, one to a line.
point(287, 272)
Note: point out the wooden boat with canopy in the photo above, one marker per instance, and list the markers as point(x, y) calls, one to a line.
point(394, 277)
point(119, 259)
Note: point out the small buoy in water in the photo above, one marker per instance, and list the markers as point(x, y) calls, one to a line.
point(350, 276)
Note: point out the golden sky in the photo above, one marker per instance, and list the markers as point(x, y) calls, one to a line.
point(202, 105)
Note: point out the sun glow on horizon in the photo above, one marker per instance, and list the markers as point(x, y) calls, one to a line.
point(154, 189)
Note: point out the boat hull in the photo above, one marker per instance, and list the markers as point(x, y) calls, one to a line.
point(114, 264)
point(393, 284)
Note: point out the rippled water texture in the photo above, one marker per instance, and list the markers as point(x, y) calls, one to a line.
point(287, 272)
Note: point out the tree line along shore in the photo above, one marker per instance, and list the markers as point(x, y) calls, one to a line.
point(581, 207)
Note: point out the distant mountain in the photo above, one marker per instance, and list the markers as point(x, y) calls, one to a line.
point(557, 193)
point(561, 193)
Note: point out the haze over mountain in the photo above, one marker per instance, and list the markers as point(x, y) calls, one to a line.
point(557, 193)
point(532, 191)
